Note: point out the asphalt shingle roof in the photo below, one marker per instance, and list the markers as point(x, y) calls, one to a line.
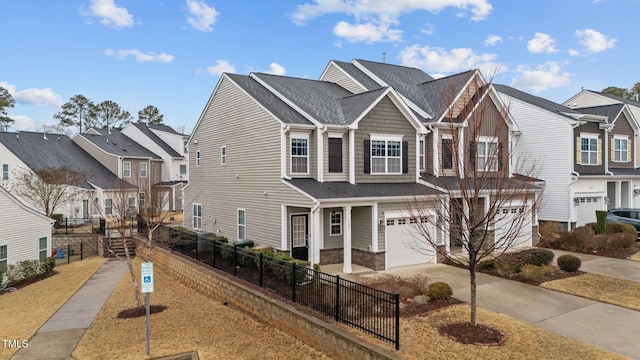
point(116, 143)
point(57, 151)
point(165, 128)
point(144, 128)
point(270, 101)
point(340, 190)
point(610, 111)
point(357, 74)
point(536, 101)
point(617, 98)
point(440, 93)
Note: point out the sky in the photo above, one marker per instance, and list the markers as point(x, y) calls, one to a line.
point(171, 53)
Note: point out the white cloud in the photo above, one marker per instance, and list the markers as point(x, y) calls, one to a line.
point(541, 43)
point(122, 54)
point(595, 41)
point(276, 69)
point(35, 97)
point(110, 14)
point(369, 32)
point(221, 66)
point(437, 61)
point(428, 29)
point(573, 52)
point(201, 16)
point(374, 18)
point(542, 77)
point(23, 123)
point(492, 40)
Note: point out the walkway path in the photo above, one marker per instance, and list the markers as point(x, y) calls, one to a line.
point(606, 326)
point(58, 337)
point(620, 268)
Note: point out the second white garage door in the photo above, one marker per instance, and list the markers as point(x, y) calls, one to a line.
point(402, 235)
point(586, 209)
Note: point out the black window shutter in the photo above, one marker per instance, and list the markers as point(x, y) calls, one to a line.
point(472, 155)
point(405, 157)
point(500, 157)
point(367, 157)
point(335, 155)
point(447, 154)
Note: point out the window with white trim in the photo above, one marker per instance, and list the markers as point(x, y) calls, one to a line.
point(487, 154)
point(223, 155)
point(183, 169)
point(108, 206)
point(299, 154)
point(131, 202)
point(620, 149)
point(588, 149)
point(126, 169)
point(421, 155)
point(197, 216)
point(42, 248)
point(141, 199)
point(335, 223)
point(143, 170)
point(242, 224)
point(5, 172)
point(3, 258)
point(386, 155)
point(197, 158)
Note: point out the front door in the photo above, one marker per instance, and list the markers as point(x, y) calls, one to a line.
point(299, 235)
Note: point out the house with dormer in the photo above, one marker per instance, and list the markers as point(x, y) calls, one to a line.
point(324, 169)
point(587, 160)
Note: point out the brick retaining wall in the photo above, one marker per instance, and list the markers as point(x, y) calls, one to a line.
point(89, 243)
point(330, 339)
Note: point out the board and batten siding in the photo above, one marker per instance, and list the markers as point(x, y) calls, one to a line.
point(384, 118)
point(336, 75)
point(621, 127)
point(21, 229)
point(489, 122)
point(545, 146)
point(251, 178)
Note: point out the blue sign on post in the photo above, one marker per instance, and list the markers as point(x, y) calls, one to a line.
point(146, 273)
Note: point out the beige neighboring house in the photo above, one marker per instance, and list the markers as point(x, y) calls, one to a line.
point(25, 234)
point(323, 169)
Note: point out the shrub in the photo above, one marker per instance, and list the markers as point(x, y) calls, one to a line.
point(513, 262)
point(536, 273)
point(439, 291)
point(550, 229)
point(539, 257)
point(569, 263)
point(580, 240)
point(621, 228)
point(58, 218)
point(619, 241)
point(47, 265)
point(487, 264)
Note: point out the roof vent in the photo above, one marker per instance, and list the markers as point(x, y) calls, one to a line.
point(17, 134)
point(115, 143)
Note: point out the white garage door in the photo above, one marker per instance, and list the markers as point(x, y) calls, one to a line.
point(402, 235)
point(586, 209)
point(506, 232)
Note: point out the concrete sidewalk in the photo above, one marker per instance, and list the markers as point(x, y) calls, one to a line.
point(58, 337)
point(606, 326)
point(620, 268)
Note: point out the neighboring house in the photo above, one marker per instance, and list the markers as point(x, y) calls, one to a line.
point(25, 234)
point(124, 157)
point(584, 155)
point(323, 170)
point(34, 152)
point(174, 161)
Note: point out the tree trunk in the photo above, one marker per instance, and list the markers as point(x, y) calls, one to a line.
point(132, 272)
point(472, 278)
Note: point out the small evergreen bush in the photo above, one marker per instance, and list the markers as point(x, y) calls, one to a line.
point(539, 257)
point(487, 264)
point(58, 218)
point(439, 291)
point(621, 228)
point(569, 263)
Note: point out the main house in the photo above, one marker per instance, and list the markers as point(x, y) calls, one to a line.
point(588, 159)
point(327, 170)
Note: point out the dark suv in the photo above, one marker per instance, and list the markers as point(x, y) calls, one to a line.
point(628, 216)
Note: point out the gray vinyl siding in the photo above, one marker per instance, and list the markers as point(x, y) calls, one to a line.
point(336, 176)
point(384, 118)
point(109, 161)
point(294, 210)
point(25, 230)
point(361, 227)
point(251, 178)
point(621, 127)
point(335, 241)
point(333, 74)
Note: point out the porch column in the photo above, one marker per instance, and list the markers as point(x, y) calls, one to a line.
point(346, 263)
point(316, 236)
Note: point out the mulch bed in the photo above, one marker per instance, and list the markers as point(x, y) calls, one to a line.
point(477, 335)
point(35, 279)
point(413, 308)
point(140, 311)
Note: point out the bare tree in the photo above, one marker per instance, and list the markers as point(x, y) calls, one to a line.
point(49, 188)
point(488, 198)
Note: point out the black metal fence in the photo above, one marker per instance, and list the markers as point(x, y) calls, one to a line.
point(69, 253)
point(79, 226)
point(370, 310)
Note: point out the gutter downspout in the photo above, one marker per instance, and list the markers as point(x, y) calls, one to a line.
point(573, 180)
point(606, 151)
point(283, 152)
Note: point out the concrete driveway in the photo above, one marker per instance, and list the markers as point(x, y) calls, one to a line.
point(606, 326)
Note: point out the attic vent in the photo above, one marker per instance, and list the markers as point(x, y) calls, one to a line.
point(123, 149)
point(115, 143)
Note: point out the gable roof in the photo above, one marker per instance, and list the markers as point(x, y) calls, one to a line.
point(116, 143)
point(145, 129)
point(12, 198)
point(165, 128)
point(441, 93)
point(610, 111)
point(617, 98)
point(267, 99)
point(357, 74)
point(537, 101)
point(57, 151)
